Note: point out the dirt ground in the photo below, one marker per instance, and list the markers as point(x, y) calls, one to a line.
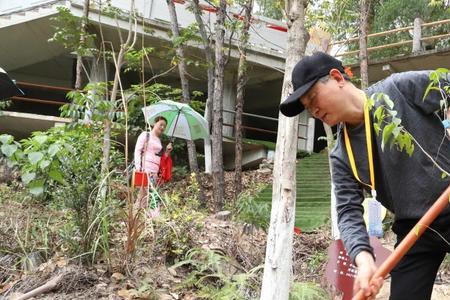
point(151, 278)
point(441, 290)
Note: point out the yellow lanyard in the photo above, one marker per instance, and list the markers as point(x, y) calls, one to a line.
point(351, 157)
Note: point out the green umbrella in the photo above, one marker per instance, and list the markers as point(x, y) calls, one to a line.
point(182, 120)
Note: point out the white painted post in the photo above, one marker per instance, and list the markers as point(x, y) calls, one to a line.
point(310, 135)
point(417, 35)
point(208, 156)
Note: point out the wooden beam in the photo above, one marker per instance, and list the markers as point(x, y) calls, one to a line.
point(49, 102)
point(43, 86)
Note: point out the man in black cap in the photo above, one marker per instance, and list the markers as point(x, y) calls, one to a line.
point(405, 185)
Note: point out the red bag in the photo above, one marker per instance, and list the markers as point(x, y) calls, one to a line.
point(165, 168)
point(139, 178)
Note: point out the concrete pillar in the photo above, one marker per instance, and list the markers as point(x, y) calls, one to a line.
point(229, 102)
point(417, 35)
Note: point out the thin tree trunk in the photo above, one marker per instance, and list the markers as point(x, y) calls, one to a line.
point(210, 71)
point(241, 82)
point(278, 261)
point(182, 70)
point(217, 136)
point(363, 30)
point(79, 66)
point(124, 47)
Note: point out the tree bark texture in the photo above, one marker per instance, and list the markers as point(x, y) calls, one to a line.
point(363, 30)
point(217, 134)
point(241, 82)
point(79, 66)
point(278, 261)
point(209, 55)
point(182, 70)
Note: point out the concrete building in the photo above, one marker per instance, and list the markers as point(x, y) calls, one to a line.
point(46, 70)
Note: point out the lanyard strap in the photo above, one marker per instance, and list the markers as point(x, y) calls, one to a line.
point(351, 157)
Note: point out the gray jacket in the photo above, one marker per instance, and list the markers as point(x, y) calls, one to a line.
point(407, 186)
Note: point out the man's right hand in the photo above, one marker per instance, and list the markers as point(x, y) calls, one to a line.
point(366, 269)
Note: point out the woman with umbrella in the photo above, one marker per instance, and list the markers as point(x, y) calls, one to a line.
point(175, 120)
point(147, 155)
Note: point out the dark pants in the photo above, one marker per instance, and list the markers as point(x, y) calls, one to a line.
point(413, 278)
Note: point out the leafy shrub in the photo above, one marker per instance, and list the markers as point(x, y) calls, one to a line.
point(181, 219)
point(62, 166)
point(307, 291)
point(251, 211)
point(49, 160)
point(211, 275)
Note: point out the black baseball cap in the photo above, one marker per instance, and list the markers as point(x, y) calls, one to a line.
point(305, 74)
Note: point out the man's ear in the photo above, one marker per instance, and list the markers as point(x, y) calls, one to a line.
point(337, 75)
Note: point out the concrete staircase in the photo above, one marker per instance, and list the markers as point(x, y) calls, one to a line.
point(313, 192)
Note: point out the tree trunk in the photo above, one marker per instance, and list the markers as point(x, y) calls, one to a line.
point(124, 47)
point(192, 152)
point(210, 61)
point(363, 30)
point(241, 82)
point(79, 66)
point(278, 261)
point(217, 135)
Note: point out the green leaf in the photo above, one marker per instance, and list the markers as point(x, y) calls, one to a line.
point(410, 149)
point(387, 131)
point(41, 139)
point(434, 76)
point(35, 157)
point(442, 70)
point(56, 176)
point(401, 143)
point(389, 102)
point(396, 132)
point(379, 113)
point(53, 149)
point(427, 91)
point(27, 177)
point(376, 127)
point(36, 187)
point(6, 138)
point(370, 102)
point(44, 164)
point(443, 175)
point(9, 150)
